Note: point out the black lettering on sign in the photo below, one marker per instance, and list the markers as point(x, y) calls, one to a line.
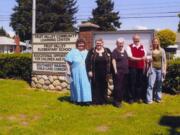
point(50, 50)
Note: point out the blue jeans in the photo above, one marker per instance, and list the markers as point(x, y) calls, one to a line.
point(154, 78)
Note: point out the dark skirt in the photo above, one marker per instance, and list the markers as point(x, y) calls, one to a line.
point(99, 88)
point(120, 86)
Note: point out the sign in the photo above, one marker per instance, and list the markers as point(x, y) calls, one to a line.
point(49, 51)
point(110, 38)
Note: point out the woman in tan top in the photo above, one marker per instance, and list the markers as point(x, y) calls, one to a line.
point(156, 72)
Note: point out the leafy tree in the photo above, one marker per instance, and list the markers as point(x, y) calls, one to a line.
point(167, 37)
point(104, 16)
point(51, 16)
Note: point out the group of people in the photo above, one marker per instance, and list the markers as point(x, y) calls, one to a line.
point(129, 67)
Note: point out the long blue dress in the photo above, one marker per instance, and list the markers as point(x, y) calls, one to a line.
point(80, 85)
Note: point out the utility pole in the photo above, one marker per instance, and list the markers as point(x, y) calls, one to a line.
point(34, 17)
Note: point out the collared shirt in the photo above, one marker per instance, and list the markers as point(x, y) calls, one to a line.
point(129, 52)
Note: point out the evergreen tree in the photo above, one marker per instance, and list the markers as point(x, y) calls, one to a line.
point(3, 32)
point(104, 16)
point(64, 15)
point(51, 16)
point(21, 19)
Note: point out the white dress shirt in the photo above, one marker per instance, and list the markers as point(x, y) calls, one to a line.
point(129, 52)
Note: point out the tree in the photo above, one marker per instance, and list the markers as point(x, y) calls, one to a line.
point(167, 37)
point(104, 16)
point(3, 32)
point(51, 16)
point(21, 19)
point(179, 24)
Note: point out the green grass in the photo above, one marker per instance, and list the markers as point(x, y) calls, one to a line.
point(24, 111)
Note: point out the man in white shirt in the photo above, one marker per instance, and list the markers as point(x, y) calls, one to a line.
point(137, 55)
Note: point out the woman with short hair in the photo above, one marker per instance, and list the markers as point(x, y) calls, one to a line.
point(79, 85)
point(98, 65)
point(156, 72)
point(120, 66)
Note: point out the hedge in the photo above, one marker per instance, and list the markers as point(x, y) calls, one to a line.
point(172, 81)
point(19, 66)
point(16, 66)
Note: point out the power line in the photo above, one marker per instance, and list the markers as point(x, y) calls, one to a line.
point(4, 20)
point(148, 3)
point(146, 13)
point(140, 7)
point(138, 13)
point(128, 17)
point(131, 17)
point(138, 17)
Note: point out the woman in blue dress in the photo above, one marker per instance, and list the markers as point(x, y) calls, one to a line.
point(79, 84)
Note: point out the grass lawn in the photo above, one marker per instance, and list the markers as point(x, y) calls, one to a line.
point(24, 111)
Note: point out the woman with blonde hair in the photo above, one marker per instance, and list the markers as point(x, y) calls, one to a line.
point(156, 72)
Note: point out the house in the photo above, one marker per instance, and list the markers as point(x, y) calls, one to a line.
point(8, 45)
point(178, 38)
point(177, 54)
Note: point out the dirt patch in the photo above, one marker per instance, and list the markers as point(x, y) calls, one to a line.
point(128, 115)
point(102, 128)
point(24, 123)
point(36, 117)
point(11, 118)
point(22, 116)
point(1, 118)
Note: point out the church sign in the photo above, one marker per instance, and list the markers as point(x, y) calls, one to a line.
point(49, 51)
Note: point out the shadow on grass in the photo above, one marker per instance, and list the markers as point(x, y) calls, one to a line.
point(68, 99)
point(65, 99)
point(173, 122)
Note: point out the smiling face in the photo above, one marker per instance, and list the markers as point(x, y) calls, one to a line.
point(120, 45)
point(81, 46)
point(136, 39)
point(155, 43)
point(99, 44)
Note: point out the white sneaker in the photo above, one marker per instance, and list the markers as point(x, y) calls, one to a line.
point(149, 102)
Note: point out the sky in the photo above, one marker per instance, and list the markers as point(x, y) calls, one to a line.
point(155, 14)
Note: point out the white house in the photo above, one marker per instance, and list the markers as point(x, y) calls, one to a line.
point(8, 45)
point(177, 55)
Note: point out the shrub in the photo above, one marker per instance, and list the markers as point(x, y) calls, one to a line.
point(172, 81)
point(17, 66)
point(167, 37)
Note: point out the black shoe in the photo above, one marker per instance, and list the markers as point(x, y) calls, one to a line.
point(117, 104)
point(131, 101)
point(139, 101)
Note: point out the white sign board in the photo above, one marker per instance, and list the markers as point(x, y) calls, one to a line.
point(49, 51)
point(110, 38)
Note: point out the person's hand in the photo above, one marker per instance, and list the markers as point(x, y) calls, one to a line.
point(144, 58)
point(164, 73)
point(148, 59)
point(90, 74)
point(68, 73)
point(115, 72)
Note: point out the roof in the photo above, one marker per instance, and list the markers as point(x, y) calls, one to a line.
point(178, 37)
point(173, 46)
point(88, 24)
point(9, 41)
